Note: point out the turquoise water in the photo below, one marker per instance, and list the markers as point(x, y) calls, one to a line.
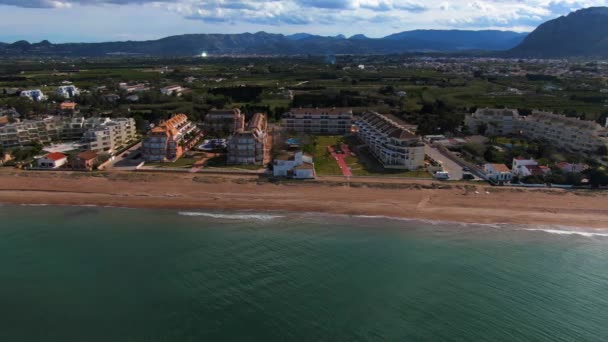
point(101, 274)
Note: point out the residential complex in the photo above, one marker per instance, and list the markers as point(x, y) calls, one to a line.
point(119, 132)
point(561, 131)
point(248, 146)
point(68, 91)
point(225, 120)
point(393, 143)
point(318, 120)
point(169, 140)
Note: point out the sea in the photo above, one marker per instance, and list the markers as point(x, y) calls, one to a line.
point(115, 274)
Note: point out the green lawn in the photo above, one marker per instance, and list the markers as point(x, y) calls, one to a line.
point(325, 164)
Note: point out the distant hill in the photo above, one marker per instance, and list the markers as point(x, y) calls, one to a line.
point(464, 40)
point(359, 36)
point(277, 44)
point(583, 33)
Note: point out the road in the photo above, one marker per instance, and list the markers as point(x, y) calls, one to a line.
point(125, 162)
point(449, 165)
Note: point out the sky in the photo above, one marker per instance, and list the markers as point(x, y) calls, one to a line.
point(111, 20)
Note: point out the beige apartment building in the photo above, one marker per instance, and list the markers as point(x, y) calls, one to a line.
point(110, 135)
point(318, 120)
point(393, 144)
point(248, 146)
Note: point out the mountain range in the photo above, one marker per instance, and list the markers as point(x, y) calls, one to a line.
point(278, 44)
point(583, 33)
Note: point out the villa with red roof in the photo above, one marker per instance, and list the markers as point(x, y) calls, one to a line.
point(52, 161)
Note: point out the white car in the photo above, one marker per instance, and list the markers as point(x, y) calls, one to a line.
point(442, 175)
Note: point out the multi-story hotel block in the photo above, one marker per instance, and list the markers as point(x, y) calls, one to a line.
point(169, 140)
point(248, 146)
point(225, 120)
point(561, 131)
point(318, 120)
point(391, 142)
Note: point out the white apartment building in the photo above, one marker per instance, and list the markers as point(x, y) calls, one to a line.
point(110, 135)
point(68, 91)
point(563, 132)
point(34, 95)
point(76, 129)
point(248, 146)
point(391, 142)
point(30, 132)
point(318, 120)
point(496, 121)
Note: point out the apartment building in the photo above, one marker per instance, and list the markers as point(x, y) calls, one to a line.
point(392, 142)
point(30, 132)
point(318, 120)
point(53, 129)
point(561, 131)
point(248, 146)
point(169, 140)
point(172, 90)
point(225, 120)
point(68, 91)
point(34, 95)
point(495, 121)
point(109, 135)
point(564, 132)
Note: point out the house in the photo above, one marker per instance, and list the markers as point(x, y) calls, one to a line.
point(572, 168)
point(523, 167)
point(133, 98)
point(67, 106)
point(498, 173)
point(33, 94)
point(172, 90)
point(85, 160)
point(169, 140)
point(68, 91)
point(112, 98)
point(295, 165)
point(391, 142)
point(225, 120)
point(318, 120)
point(52, 161)
point(248, 146)
point(133, 88)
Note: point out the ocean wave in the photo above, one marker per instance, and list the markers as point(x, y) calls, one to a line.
point(35, 205)
point(242, 217)
point(567, 232)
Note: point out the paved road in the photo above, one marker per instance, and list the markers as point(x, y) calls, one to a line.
point(449, 165)
point(121, 161)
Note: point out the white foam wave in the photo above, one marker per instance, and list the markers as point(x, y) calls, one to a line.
point(568, 232)
point(35, 205)
point(242, 217)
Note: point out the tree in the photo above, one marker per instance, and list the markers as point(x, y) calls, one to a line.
point(482, 128)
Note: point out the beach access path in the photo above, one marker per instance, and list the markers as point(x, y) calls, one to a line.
point(341, 159)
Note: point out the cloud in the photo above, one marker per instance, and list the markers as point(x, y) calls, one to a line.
point(345, 16)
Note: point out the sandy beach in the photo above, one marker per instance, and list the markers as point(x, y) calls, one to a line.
point(417, 199)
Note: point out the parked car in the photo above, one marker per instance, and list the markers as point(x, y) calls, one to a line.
point(441, 175)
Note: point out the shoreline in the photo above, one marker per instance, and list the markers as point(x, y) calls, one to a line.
point(407, 199)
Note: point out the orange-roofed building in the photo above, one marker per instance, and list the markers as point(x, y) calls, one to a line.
point(68, 105)
point(169, 140)
point(52, 160)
